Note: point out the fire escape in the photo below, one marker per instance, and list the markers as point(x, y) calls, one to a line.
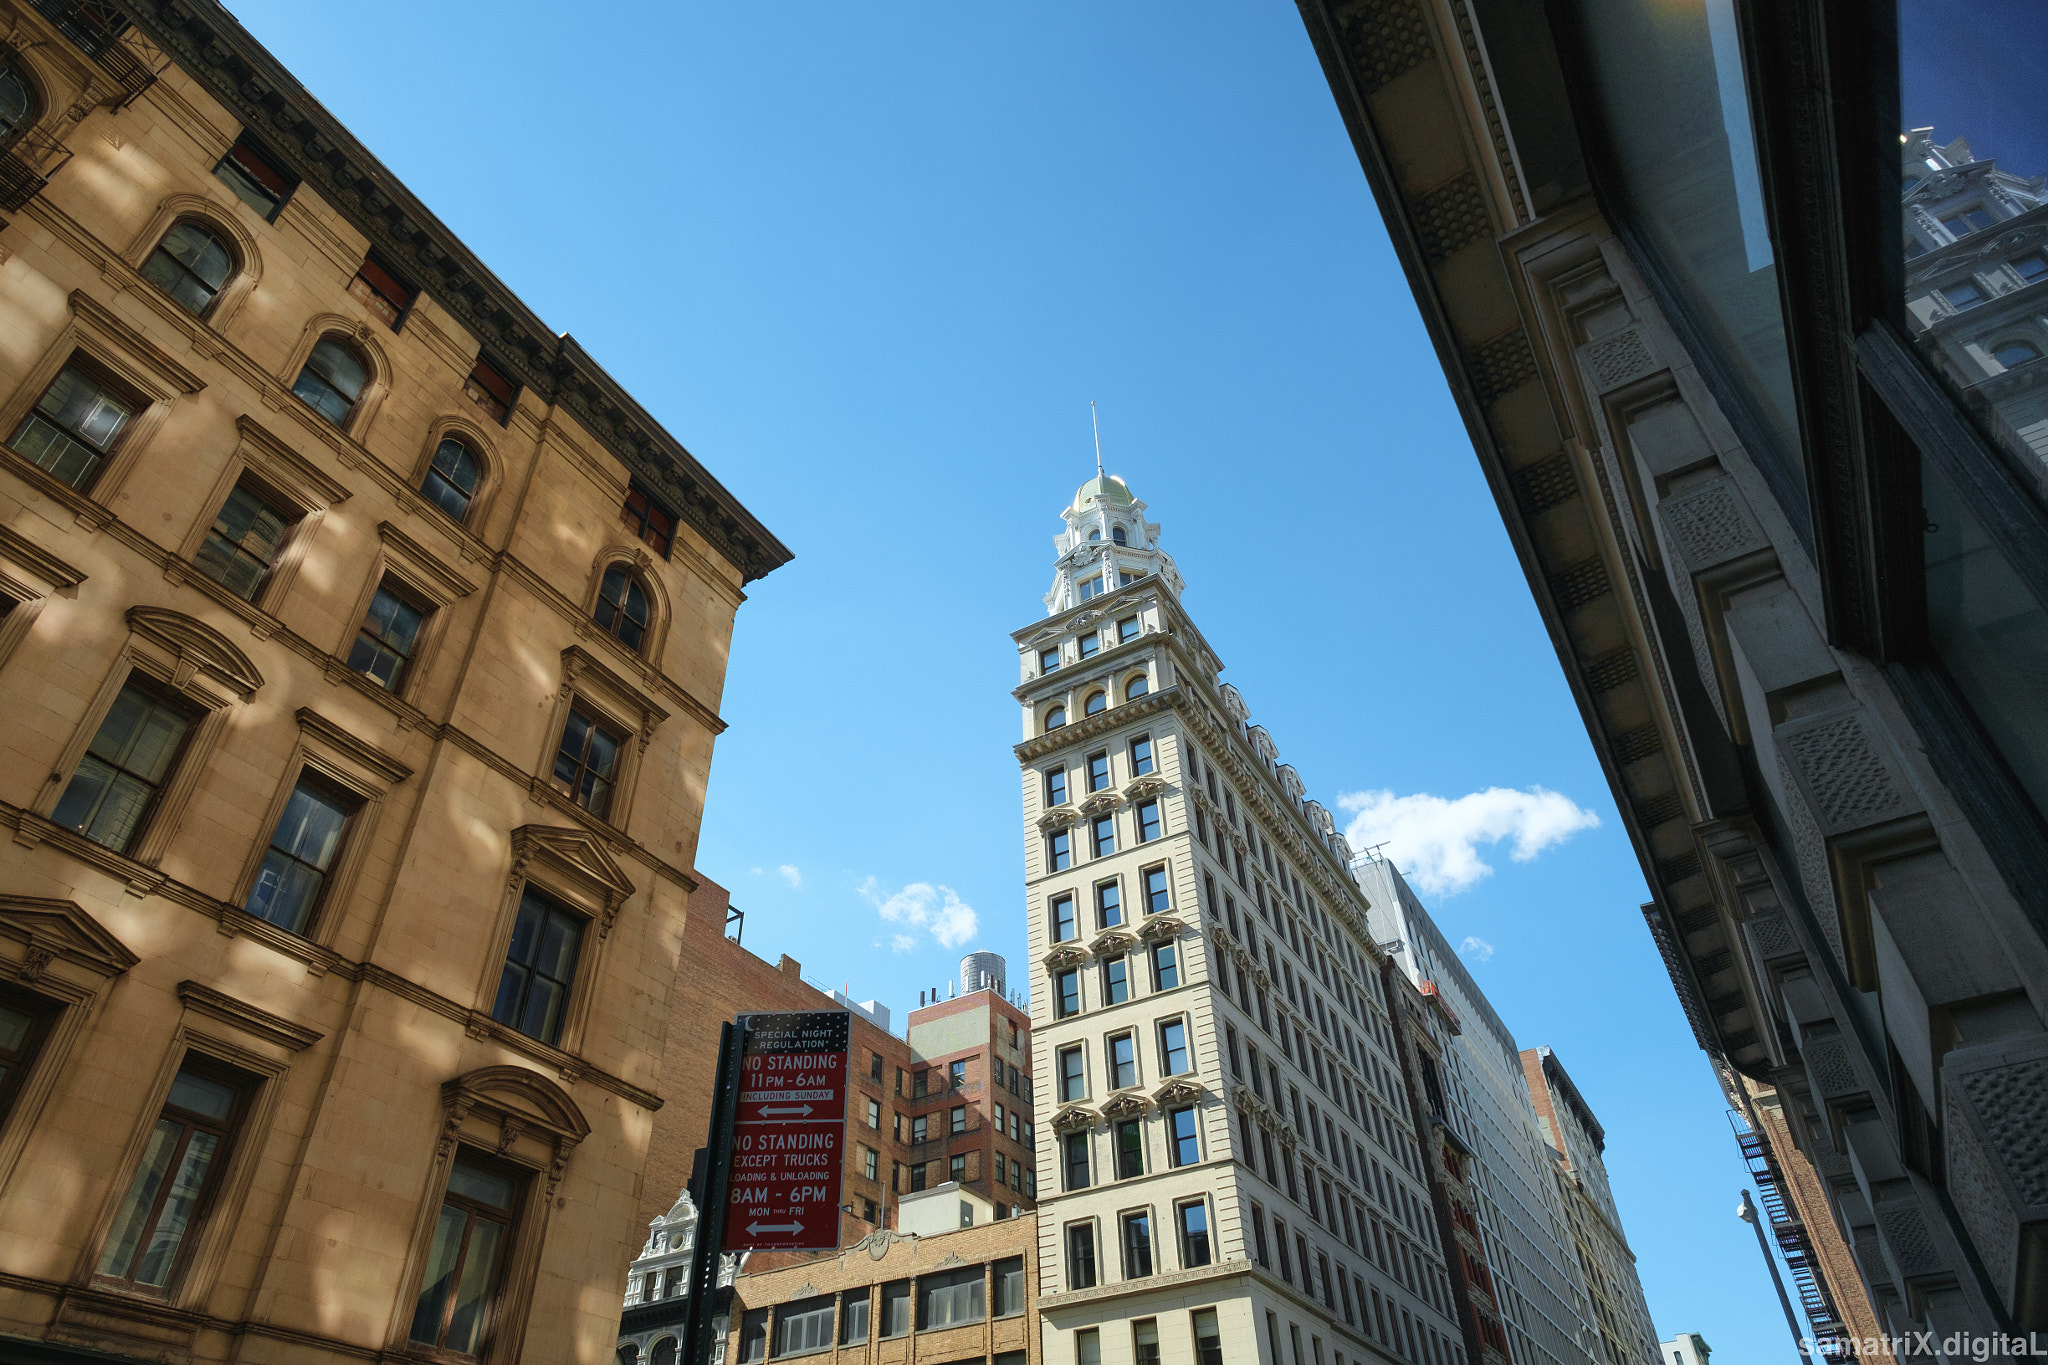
point(1831, 1338)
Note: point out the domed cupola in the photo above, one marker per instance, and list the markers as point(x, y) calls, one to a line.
point(1107, 544)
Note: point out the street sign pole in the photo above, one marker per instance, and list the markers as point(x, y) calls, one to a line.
point(698, 1338)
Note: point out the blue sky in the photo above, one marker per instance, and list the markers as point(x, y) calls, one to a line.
point(871, 265)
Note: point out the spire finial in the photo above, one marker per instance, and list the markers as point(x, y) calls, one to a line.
point(1096, 422)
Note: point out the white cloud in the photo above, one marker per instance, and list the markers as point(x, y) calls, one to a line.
point(791, 875)
point(756, 871)
point(921, 905)
point(1476, 948)
point(1436, 841)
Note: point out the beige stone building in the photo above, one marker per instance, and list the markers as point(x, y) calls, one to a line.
point(362, 654)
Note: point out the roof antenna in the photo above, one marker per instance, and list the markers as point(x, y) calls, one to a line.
point(1096, 422)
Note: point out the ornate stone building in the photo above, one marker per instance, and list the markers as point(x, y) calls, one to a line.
point(362, 651)
point(1749, 362)
point(1229, 1166)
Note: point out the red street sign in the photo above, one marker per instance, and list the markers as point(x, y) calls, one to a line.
point(789, 1133)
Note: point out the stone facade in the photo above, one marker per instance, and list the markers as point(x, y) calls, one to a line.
point(1229, 1143)
point(363, 647)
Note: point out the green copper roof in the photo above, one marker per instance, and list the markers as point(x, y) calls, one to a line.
point(1107, 487)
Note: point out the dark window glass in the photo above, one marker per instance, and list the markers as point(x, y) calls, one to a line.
point(16, 104)
point(1141, 755)
point(1158, 899)
point(896, 1308)
point(72, 428)
point(256, 177)
point(1109, 905)
point(1048, 660)
point(649, 520)
point(950, 1299)
point(1067, 992)
point(452, 478)
point(1123, 1062)
point(176, 1179)
point(1116, 533)
point(540, 968)
point(24, 1023)
point(378, 290)
point(1074, 1150)
point(1974, 219)
point(1089, 646)
point(1182, 1138)
point(243, 542)
point(956, 1074)
point(302, 849)
point(1073, 1079)
point(1173, 1048)
point(1059, 849)
point(488, 388)
point(2012, 353)
point(1098, 772)
point(1064, 926)
point(1081, 1256)
point(1097, 703)
point(1165, 967)
point(587, 762)
point(957, 1119)
point(190, 265)
point(1137, 1229)
point(803, 1327)
point(1008, 1279)
point(1130, 1149)
point(1127, 630)
point(124, 767)
point(1104, 834)
point(1116, 980)
point(332, 380)
point(1208, 1337)
point(853, 1309)
point(622, 606)
point(1148, 821)
point(2032, 268)
point(1145, 1335)
point(1055, 718)
point(459, 1287)
point(1136, 687)
point(1056, 787)
point(1964, 295)
point(754, 1335)
point(384, 642)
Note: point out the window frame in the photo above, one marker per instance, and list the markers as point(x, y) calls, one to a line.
point(287, 481)
point(652, 504)
point(588, 684)
point(270, 162)
point(508, 1219)
point(573, 869)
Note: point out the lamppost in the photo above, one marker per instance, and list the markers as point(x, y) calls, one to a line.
point(1746, 1211)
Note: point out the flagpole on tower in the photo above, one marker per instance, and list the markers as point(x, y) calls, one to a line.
point(1096, 422)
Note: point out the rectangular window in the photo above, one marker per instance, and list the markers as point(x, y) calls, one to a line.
point(1116, 980)
point(302, 849)
point(1048, 660)
point(1074, 1149)
point(1073, 1081)
point(1974, 219)
point(1008, 1280)
point(956, 1171)
point(72, 428)
point(1280, 1241)
point(875, 1067)
point(1123, 1061)
point(24, 1023)
point(1088, 645)
point(1130, 1149)
point(386, 639)
point(1173, 1048)
point(1066, 992)
point(919, 1177)
point(1109, 905)
point(647, 519)
point(540, 967)
point(1104, 836)
point(1056, 787)
point(1192, 1230)
point(490, 389)
point(956, 1074)
point(1064, 926)
point(1208, 1337)
point(875, 1114)
point(1098, 772)
point(803, 1326)
point(958, 1118)
point(243, 543)
point(1137, 1244)
point(870, 1163)
point(1141, 756)
point(1182, 1137)
point(1088, 1341)
point(1259, 1252)
point(1127, 630)
point(896, 1309)
point(918, 1127)
point(1148, 821)
point(256, 177)
point(853, 1316)
point(179, 1172)
point(1059, 850)
point(587, 761)
point(2032, 268)
point(950, 1299)
point(1964, 295)
point(754, 1336)
point(1031, 1184)
point(378, 290)
point(1165, 967)
point(130, 758)
point(1158, 895)
point(1145, 1341)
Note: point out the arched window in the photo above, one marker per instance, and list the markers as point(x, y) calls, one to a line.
point(452, 478)
point(2016, 352)
point(17, 104)
point(1095, 533)
point(629, 1354)
point(1116, 533)
point(622, 606)
point(1097, 703)
point(332, 380)
point(1055, 718)
point(1136, 687)
point(664, 1352)
point(190, 264)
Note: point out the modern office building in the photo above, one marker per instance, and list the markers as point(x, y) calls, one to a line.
point(1230, 1168)
point(1607, 1266)
point(1531, 1256)
point(1749, 356)
point(361, 648)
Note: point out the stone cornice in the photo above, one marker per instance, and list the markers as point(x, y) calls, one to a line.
point(207, 41)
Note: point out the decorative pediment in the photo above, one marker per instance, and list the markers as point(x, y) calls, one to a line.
point(517, 1112)
point(1111, 943)
point(1290, 781)
point(1125, 1104)
point(1070, 1118)
point(1162, 928)
point(1233, 703)
point(1139, 789)
point(1059, 817)
point(1065, 956)
point(1179, 1090)
point(197, 647)
point(577, 856)
point(1262, 743)
point(1319, 816)
point(1101, 803)
point(49, 930)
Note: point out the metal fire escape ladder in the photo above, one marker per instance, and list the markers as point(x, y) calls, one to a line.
point(1829, 1334)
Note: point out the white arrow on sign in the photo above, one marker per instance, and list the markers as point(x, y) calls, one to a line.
point(801, 1110)
point(756, 1229)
